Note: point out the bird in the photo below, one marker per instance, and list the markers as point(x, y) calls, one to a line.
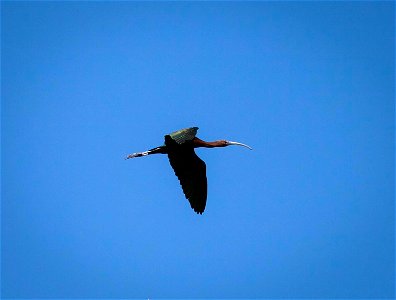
point(187, 166)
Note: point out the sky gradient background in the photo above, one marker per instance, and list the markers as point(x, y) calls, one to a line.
point(308, 213)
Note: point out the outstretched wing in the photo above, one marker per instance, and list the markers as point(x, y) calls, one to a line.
point(191, 171)
point(184, 135)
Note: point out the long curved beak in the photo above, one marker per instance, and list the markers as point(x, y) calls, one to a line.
point(239, 144)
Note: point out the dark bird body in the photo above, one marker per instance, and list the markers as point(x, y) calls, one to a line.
point(188, 167)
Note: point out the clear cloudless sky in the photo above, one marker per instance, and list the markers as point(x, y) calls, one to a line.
point(308, 213)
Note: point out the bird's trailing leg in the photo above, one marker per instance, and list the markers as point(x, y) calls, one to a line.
point(137, 154)
point(157, 150)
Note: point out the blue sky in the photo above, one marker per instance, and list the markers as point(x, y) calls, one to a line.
point(308, 213)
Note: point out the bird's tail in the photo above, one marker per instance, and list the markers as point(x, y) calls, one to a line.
point(161, 149)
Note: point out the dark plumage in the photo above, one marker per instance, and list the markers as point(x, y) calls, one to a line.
point(191, 171)
point(188, 167)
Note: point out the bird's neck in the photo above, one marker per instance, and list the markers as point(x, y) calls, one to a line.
point(198, 143)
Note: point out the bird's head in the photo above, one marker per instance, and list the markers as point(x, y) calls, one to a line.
point(229, 143)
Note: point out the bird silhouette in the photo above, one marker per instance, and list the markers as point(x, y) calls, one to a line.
point(188, 167)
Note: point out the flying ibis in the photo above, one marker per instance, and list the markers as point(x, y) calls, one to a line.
point(188, 167)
